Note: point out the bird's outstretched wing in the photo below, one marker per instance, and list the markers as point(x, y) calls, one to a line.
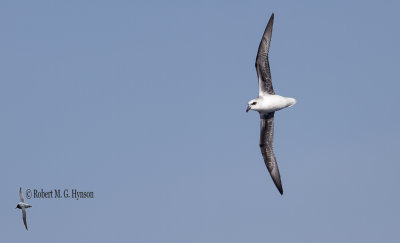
point(262, 63)
point(24, 217)
point(20, 195)
point(267, 147)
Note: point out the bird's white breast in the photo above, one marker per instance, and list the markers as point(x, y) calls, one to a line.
point(25, 205)
point(270, 103)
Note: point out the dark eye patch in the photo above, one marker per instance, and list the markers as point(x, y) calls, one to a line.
point(253, 103)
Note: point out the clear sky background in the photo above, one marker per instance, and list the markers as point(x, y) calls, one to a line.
point(143, 103)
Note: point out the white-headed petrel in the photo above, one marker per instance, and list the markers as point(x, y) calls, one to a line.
point(266, 104)
point(23, 206)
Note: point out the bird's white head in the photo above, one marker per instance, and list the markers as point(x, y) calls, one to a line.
point(253, 104)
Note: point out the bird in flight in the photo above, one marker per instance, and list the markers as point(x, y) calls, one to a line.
point(23, 206)
point(266, 104)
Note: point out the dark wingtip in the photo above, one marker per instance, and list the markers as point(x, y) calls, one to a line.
point(270, 22)
point(280, 190)
point(276, 178)
point(278, 185)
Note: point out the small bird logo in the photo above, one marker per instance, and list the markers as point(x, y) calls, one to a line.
point(23, 206)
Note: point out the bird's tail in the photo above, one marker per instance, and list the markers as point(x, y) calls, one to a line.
point(292, 102)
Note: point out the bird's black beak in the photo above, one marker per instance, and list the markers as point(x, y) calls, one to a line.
point(248, 108)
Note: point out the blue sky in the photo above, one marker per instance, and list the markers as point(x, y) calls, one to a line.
point(143, 103)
